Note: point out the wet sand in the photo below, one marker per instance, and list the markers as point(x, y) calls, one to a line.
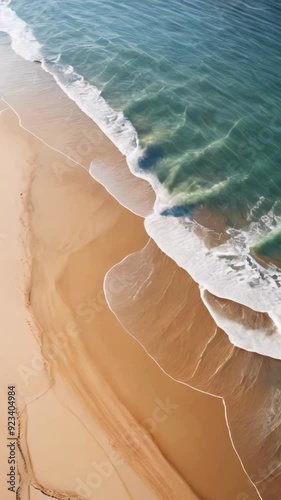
point(94, 395)
point(178, 332)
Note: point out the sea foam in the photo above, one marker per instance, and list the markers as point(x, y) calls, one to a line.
point(227, 271)
point(23, 41)
point(261, 339)
point(87, 97)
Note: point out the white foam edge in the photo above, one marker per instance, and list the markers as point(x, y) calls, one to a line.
point(23, 41)
point(255, 340)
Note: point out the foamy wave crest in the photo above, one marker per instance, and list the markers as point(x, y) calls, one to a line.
point(228, 272)
point(23, 41)
point(113, 123)
point(87, 97)
point(264, 337)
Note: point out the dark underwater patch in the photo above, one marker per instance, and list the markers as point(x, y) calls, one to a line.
point(179, 211)
point(151, 156)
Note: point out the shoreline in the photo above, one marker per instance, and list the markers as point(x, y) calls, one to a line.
point(52, 357)
point(141, 198)
point(71, 252)
point(33, 415)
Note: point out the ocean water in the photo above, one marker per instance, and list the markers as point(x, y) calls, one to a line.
point(189, 91)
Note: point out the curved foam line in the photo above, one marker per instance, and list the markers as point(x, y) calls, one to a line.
point(212, 273)
point(252, 340)
point(166, 373)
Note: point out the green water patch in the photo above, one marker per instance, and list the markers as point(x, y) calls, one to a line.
point(270, 247)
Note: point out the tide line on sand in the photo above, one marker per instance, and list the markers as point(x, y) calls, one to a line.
point(71, 229)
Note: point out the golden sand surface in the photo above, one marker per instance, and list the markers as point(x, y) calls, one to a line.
point(97, 417)
point(168, 317)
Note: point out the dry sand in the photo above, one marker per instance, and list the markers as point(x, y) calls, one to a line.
point(94, 389)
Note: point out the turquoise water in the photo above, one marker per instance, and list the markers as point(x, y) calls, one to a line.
point(200, 82)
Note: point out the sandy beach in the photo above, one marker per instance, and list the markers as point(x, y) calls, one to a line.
point(98, 417)
point(140, 250)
